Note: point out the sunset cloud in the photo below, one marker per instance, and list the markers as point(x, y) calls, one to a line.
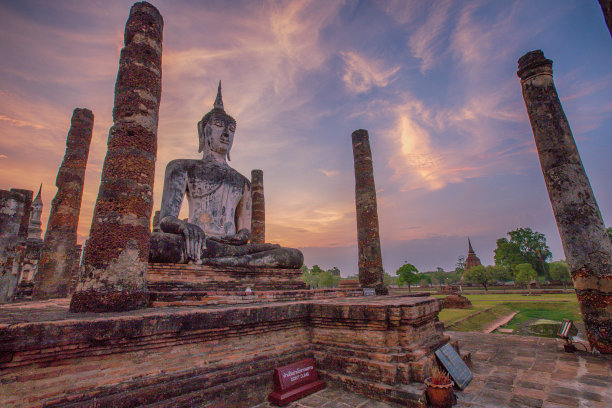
point(329, 173)
point(361, 74)
point(434, 82)
point(427, 41)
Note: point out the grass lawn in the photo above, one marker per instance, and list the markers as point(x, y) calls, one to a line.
point(449, 316)
point(549, 306)
point(550, 311)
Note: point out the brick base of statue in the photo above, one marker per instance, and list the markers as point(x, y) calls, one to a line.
point(182, 285)
point(219, 356)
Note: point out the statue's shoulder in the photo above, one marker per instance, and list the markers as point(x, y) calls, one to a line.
point(240, 178)
point(181, 164)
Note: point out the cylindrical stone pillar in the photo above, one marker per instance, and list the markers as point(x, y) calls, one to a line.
point(258, 217)
point(55, 266)
point(606, 8)
point(114, 268)
point(368, 239)
point(586, 245)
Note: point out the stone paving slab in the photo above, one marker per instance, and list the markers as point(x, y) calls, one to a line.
point(509, 371)
point(334, 398)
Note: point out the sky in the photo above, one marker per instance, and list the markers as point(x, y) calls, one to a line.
point(434, 83)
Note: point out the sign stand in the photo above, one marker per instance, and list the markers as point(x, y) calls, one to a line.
point(455, 366)
point(294, 381)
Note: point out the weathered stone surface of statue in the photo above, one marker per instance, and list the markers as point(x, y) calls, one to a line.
point(15, 208)
point(55, 266)
point(115, 261)
point(258, 221)
point(219, 224)
point(368, 239)
point(587, 248)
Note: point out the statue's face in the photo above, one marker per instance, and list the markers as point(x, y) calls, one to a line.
point(220, 133)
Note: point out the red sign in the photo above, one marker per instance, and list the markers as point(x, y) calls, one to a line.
point(294, 381)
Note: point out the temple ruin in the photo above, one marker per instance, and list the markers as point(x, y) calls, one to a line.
point(56, 266)
point(368, 237)
point(15, 207)
point(116, 255)
point(472, 260)
point(587, 248)
point(258, 219)
point(243, 308)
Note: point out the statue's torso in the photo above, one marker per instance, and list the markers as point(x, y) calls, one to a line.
point(214, 192)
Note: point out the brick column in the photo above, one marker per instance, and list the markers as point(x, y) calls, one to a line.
point(54, 268)
point(606, 8)
point(368, 239)
point(586, 245)
point(115, 261)
point(258, 217)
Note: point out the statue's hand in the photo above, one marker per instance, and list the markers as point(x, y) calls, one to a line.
point(240, 238)
point(195, 241)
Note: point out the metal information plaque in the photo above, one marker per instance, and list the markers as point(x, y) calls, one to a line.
point(459, 372)
point(369, 292)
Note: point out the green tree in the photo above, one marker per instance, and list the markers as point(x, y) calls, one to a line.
point(559, 271)
point(318, 278)
point(389, 280)
point(524, 246)
point(480, 275)
point(501, 273)
point(335, 271)
point(308, 277)
point(425, 277)
point(460, 266)
point(326, 279)
point(525, 274)
point(441, 276)
point(316, 270)
point(609, 231)
point(407, 275)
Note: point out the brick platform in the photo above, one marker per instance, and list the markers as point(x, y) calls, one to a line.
point(208, 356)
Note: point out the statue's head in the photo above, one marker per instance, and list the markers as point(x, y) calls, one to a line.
point(216, 129)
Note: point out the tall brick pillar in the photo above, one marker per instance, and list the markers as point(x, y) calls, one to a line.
point(606, 7)
point(113, 276)
point(55, 266)
point(586, 245)
point(368, 239)
point(258, 216)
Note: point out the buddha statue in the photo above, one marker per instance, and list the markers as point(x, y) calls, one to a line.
point(218, 228)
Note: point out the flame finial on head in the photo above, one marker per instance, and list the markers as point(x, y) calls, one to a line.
point(219, 100)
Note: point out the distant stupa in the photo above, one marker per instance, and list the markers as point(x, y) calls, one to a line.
point(35, 226)
point(472, 260)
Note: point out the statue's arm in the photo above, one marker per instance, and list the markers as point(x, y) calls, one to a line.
point(243, 214)
point(242, 219)
point(175, 186)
